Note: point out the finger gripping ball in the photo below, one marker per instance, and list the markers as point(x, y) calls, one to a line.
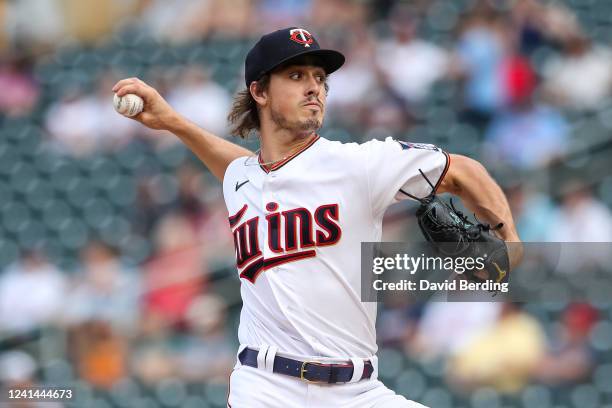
point(128, 105)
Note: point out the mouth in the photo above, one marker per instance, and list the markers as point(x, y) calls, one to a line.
point(313, 105)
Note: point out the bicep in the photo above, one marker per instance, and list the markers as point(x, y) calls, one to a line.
point(461, 170)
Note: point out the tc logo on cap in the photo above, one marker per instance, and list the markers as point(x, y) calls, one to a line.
point(301, 36)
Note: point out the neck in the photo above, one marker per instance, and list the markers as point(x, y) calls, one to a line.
point(279, 145)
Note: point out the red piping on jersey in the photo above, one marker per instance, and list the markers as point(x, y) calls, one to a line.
point(280, 164)
point(234, 219)
point(448, 159)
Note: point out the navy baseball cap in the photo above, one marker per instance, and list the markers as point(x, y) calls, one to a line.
point(280, 46)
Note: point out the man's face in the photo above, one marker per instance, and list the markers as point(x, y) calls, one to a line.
point(296, 97)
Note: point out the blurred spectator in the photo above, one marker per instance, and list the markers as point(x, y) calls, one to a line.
point(204, 353)
point(186, 20)
point(32, 22)
point(569, 358)
point(99, 353)
point(351, 88)
point(398, 320)
point(152, 355)
point(176, 274)
point(176, 21)
point(105, 291)
point(283, 13)
point(19, 90)
point(533, 212)
point(410, 65)
point(565, 76)
point(481, 51)
point(540, 23)
point(232, 18)
point(526, 135)
point(32, 292)
point(583, 219)
point(503, 357)
point(147, 210)
point(82, 123)
point(18, 370)
point(201, 100)
point(336, 16)
point(447, 327)
point(73, 123)
point(191, 190)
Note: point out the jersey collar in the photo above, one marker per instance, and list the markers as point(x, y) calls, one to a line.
point(278, 165)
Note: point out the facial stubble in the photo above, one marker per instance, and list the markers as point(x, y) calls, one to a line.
point(298, 126)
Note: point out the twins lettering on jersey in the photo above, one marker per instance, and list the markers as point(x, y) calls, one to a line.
point(289, 233)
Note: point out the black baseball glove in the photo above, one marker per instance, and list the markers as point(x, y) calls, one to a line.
point(452, 234)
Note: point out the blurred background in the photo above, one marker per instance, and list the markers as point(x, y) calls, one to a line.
point(117, 272)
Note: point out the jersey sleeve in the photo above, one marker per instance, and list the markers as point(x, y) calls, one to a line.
point(393, 171)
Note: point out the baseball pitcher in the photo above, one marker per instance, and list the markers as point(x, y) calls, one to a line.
point(298, 211)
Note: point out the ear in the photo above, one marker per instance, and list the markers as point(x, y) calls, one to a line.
point(260, 95)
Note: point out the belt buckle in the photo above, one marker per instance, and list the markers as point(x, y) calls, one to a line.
point(303, 371)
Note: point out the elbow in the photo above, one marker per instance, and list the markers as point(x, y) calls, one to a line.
point(462, 169)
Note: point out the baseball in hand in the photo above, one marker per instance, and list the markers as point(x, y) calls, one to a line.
point(128, 105)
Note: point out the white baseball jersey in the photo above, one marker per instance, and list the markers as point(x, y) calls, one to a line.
point(298, 227)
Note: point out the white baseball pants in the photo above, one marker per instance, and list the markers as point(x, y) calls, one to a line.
point(260, 388)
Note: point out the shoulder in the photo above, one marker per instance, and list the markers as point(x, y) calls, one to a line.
point(394, 145)
point(374, 147)
point(353, 147)
point(235, 169)
point(235, 165)
point(337, 149)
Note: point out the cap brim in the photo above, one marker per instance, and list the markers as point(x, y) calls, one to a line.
point(332, 60)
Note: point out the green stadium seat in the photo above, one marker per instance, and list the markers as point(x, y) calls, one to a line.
point(14, 215)
point(31, 233)
point(410, 383)
point(437, 397)
point(79, 191)
point(171, 157)
point(194, 401)
point(585, 396)
point(602, 378)
point(97, 211)
point(485, 398)
point(389, 363)
point(73, 233)
point(121, 193)
point(115, 230)
point(54, 212)
point(216, 394)
point(171, 392)
point(9, 251)
point(536, 396)
point(601, 336)
point(57, 371)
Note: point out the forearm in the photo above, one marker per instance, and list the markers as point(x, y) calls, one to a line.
point(469, 180)
point(215, 152)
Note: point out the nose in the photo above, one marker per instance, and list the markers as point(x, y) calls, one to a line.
point(313, 87)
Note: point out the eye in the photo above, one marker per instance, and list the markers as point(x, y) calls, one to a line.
point(295, 75)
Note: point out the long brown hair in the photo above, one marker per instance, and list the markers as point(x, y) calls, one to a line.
point(244, 116)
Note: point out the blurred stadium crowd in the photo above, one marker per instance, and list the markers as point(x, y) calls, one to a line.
point(117, 267)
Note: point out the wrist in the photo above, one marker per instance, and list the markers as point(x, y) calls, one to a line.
point(176, 124)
